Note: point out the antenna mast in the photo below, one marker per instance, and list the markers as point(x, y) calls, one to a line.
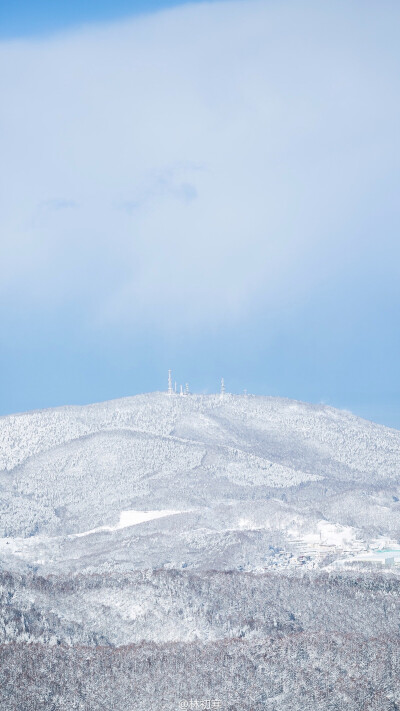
point(222, 388)
point(170, 391)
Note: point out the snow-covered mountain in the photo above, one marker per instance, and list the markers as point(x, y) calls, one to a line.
point(241, 482)
point(241, 524)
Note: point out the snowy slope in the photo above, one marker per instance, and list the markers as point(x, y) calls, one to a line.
point(248, 479)
point(168, 520)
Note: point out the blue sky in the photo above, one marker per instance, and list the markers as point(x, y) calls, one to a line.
point(211, 188)
point(27, 18)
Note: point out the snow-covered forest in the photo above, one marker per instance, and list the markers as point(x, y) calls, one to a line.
point(161, 550)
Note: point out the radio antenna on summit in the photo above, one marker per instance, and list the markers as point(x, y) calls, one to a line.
point(222, 388)
point(170, 390)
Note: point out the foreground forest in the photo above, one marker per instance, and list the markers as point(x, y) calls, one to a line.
point(334, 672)
point(315, 641)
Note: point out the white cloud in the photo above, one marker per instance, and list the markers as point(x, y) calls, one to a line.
point(204, 160)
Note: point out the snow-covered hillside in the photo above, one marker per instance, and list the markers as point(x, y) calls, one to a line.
point(250, 482)
point(160, 548)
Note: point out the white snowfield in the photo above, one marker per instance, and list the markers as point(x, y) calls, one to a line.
point(129, 518)
point(162, 480)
